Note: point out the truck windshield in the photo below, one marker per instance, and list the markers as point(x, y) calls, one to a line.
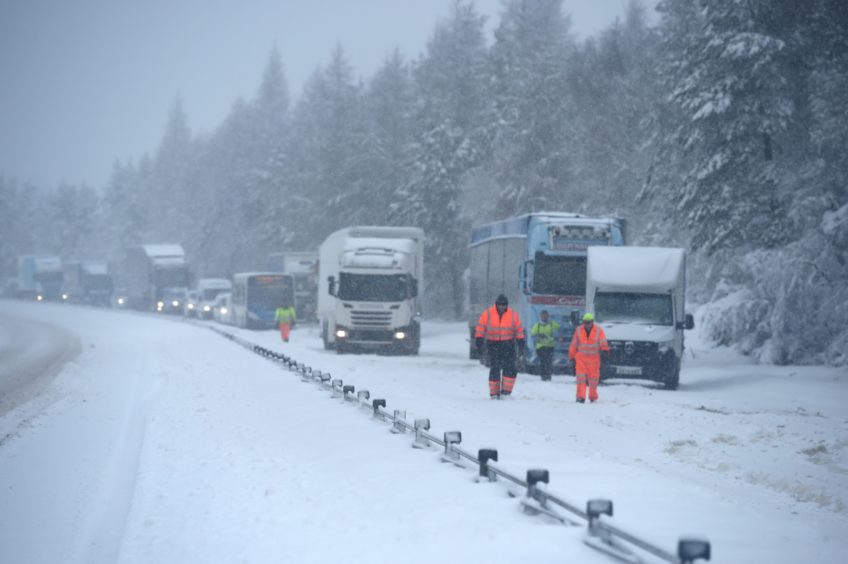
point(373, 287)
point(653, 309)
point(172, 277)
point(560, 276)
point(210, 294)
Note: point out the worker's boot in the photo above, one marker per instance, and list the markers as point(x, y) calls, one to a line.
point(581, 400)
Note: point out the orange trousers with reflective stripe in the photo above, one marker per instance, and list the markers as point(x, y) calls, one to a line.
point(285, 330)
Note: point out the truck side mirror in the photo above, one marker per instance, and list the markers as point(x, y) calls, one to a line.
point(690, 321)
point(525, 274)
point(575, 317)
point(331, 285)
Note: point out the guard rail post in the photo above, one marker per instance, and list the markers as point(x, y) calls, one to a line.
point(484, 455)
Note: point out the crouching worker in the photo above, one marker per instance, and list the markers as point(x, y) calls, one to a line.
point(500, 328)
point(285, 318)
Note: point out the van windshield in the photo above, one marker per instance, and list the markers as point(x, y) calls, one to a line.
point(649, 309)
point(559, 276)
point(373, 287)
point(210, 294)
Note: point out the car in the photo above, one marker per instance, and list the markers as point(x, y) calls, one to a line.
point(223, 311)
point(190, 303)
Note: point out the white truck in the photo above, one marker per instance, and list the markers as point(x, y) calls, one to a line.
point(368, 289)
point(303, 266)
point(638, 297)
point(40, 277)
point(156, 277)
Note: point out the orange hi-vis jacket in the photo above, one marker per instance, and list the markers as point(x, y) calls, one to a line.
point(586, 350)
point(494, 327)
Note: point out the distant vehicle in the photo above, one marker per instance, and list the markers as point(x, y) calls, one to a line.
point(190, 303)
point(638, 296)
point(303, 266)
point(222, 310)
point(119, 298)
point(368, 289)
point(156, 277)
point(40, 277)
point(538, 261)
point(88, 282)
point(207, 290)
point(256, 297)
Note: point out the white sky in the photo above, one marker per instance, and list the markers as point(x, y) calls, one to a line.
point(85, 82)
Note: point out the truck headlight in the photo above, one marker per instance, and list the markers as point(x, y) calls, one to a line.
point(400, 335)
point(120, 301)
point(64, 296)
point(223, 311)
point(39, 297)
point(175, 303)
point(341, 333)
point(663, 347)
point(207, 308)
point(190, 306)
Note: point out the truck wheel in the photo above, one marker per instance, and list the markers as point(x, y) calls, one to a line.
point(672, 376)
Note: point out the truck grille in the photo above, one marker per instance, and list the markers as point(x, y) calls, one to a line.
point(375, 319)
point(633, 353)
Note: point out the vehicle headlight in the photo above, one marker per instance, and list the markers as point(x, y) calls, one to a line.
point(663, 347)
point(64, 296)
point(120, 301)
point(175, 303)
point(400, 335)
point(207, 308)
point(160, 305)
point(223, 311)
point(190, 306)
point(39, 297)
point(341, 333)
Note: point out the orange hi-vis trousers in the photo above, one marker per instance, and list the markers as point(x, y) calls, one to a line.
point(285, 331)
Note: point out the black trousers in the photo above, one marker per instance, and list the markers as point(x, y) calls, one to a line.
point(501, 359)
point(546, 360)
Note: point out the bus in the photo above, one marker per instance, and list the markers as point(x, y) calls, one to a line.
point(538, 261)
point(256, 297)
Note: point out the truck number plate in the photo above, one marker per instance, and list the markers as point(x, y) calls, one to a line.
point(632, 370)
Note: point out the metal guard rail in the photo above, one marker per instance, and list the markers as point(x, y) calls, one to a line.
point(602, 534)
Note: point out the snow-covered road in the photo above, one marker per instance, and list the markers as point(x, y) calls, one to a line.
point(164, 442)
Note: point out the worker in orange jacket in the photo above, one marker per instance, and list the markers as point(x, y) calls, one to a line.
point(500, 328)
point(587, 344)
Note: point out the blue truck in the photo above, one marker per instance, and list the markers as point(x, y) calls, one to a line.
point(538, 261)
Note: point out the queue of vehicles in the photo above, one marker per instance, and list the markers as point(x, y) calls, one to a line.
point(363, 288)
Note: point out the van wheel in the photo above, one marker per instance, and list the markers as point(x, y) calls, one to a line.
point(672, 376)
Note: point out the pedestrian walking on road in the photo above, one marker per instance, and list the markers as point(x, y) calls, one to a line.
point(285, 318)
point(543, 334)
point(586, 346)
point(499, 327)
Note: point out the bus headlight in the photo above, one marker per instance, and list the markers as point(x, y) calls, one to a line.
point(400, 335)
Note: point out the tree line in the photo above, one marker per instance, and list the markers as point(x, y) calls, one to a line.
point(722, 129)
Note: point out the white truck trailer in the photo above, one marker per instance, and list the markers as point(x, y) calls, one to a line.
point(368, 289)
point(638, 296)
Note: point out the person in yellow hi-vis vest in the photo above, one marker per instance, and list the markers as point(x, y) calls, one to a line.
point(285, 317)
point(544, 334)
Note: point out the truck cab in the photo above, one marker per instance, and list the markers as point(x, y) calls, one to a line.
point(369, 289)
point(638, 297)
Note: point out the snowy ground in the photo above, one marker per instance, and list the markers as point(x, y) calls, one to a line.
point(162, 441)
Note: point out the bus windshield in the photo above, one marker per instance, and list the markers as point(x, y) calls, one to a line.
point(559, 276)
point(373, 287)
point(270, 291)
point(650, 309)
